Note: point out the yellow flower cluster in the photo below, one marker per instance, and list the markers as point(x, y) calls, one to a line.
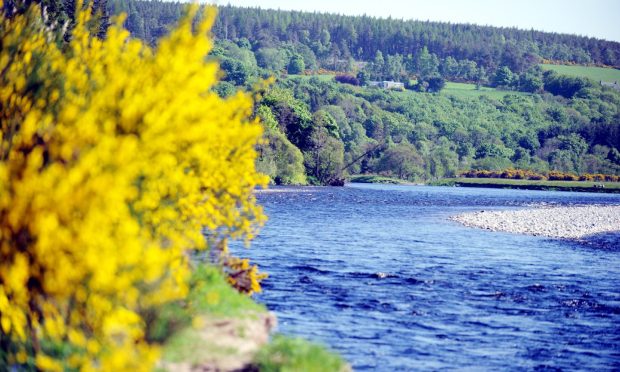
point(113, 159)
point(243, 276)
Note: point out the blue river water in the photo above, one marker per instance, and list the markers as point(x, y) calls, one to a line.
point(381, 275)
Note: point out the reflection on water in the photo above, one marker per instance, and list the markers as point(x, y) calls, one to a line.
point(380, 274)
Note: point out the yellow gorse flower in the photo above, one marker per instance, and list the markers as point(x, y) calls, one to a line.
point(113, 159)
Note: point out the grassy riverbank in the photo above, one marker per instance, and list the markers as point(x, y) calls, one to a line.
point(582, 186)
point(221, 329)
point(373, 178)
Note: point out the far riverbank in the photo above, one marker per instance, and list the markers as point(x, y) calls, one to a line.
point(501, 183)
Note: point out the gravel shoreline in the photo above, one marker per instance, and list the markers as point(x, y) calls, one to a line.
point(575, 222)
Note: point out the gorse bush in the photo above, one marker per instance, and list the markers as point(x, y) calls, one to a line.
point(521, 174)
point(561, 176)
point(114, 158)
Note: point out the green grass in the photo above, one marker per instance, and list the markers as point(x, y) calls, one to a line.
point(210, 297)
point(371, 178)
point(591, 72)
point(284, 354)
point(214, 300)
point(461, 90)
point(189, 347)
point(586, 186)
point(325, 77)
point(211, 294)
point(465, 90)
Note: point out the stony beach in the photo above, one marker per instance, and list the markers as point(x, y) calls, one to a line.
point(574, 222)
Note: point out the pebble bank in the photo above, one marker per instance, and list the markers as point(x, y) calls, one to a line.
point(574, 222)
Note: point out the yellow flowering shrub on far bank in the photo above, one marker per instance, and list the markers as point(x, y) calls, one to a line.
point(114, 160)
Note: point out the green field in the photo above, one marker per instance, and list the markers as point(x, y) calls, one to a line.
point(325, 77)
point(613, 187)
point(590, 72)
point(464, 90)
point(461, 90)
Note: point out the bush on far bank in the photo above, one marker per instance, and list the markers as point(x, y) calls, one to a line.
point(521, 174)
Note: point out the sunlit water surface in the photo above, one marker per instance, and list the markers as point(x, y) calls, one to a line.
point(380, 274)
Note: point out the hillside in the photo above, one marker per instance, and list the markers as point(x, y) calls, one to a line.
point(360, 37)
point(455, 115)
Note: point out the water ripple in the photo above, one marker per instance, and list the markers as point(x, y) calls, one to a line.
point(380, 274)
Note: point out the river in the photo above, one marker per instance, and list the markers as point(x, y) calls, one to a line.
point(381, 275)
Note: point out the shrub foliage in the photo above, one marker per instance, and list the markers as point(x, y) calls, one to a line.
point(113, 159)
point(521, 174)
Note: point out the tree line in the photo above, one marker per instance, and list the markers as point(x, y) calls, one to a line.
point(339, 37)
point(430, 53)
point(320, 130)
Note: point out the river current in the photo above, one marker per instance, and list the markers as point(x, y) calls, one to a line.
point(381, 275)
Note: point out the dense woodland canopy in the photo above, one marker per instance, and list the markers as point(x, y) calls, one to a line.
point(420, 136)
point(319, 129)
point(360, 37)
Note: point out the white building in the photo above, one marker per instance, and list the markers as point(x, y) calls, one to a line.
point(387, 84)
point(610, 84)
